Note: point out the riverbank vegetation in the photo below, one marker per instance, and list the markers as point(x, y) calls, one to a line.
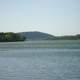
point(68, 37)
point(23, 36)
point(11, 37)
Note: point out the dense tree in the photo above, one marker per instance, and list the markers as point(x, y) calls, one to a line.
point(76, 37)
point(10, 37)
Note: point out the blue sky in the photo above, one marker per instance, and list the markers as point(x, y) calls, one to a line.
point(57, 17)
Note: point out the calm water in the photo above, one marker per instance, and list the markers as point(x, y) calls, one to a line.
point(40, 60)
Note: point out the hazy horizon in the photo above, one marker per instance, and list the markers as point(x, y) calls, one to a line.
point(56, 17)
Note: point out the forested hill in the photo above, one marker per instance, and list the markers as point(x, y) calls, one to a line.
point(35, 35)
point(23, 36)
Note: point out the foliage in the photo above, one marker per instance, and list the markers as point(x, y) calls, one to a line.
point(11, 37)
point(75, 37)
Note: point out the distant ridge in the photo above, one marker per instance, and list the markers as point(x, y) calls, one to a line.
point(35, 35)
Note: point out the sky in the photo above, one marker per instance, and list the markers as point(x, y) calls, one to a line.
point(56, 17)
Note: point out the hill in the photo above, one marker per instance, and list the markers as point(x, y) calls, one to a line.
point(35, 35)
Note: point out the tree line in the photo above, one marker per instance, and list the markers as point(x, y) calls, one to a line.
point(69, 37)
point(11, 37)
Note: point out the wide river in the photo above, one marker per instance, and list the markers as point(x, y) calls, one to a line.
point(40, 60)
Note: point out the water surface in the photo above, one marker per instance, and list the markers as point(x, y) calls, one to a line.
point(40, 60)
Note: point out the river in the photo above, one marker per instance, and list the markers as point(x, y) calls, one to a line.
point(40, 60)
